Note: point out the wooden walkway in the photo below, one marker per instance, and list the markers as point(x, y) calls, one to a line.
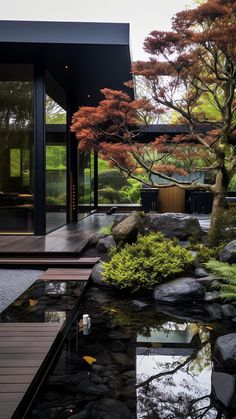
point(69, 240)
point(42, 261)
point(66, 275)
point(23, 348)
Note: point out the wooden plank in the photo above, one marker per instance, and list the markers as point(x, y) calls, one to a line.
point(23, 347)
point(8, 408)
point(22, 378)
point(11, 397)
point(18, 370)
point(28, 339)
point(23, 350)
point(30, 324)
point(36, 334)
point(22, 342)
point(13, 388)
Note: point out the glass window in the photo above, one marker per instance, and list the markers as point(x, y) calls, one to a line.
point(16, 148)
point(55, 155)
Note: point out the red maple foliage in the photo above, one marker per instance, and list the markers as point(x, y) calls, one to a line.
point(190, 67)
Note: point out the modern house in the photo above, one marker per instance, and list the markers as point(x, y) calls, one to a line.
point(48, 70)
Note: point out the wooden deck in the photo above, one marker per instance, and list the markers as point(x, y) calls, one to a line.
point(23, 348)
point(69, 240)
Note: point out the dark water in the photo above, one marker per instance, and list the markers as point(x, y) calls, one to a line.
point(138, 360)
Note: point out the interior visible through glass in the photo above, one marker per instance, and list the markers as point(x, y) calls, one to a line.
point(16, 148)
point(55, 155)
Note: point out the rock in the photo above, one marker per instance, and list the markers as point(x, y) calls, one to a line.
point(175, 225)
point(88, 387)
point(200, 272)
point(106, 243)
point(207, 281)
point(179, 291)
point(225, 351)
point(128, 229)
point(118, 346)
point(139, 304)
point(112, 210)
point(128, 392)
point(223, 385)
point(94, 238)
point(228, 310)
point(228, 254)
point(211, 297)
point(96, 275)
point(215, 311)
point(84, 414)
point(121, 358)
point(110, 409)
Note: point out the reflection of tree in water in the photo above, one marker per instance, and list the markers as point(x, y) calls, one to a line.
point(176, 390)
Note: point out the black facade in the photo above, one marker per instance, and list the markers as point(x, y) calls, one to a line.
point(48, 70)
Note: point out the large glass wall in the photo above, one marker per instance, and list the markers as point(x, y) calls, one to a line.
point(16, 148)
point(85, 182)
point(114, 188)
point(55, 155)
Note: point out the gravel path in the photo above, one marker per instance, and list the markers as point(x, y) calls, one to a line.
point(13, 282)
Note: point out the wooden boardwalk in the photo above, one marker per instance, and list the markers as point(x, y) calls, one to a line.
point(69, 240)
point(23, 348)
point(66, 275)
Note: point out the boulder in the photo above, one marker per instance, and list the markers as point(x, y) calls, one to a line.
point(228, 254)
point(207, 281)
point(175, 225)
point(223, 385)
point(106, 243)
point(200, 272)
point(96, 275)
point(128, 229)
point(179, 291)
point(211, 297)
point(229, 311)
point(110, 409)
point(215, 311)
point(225, 351)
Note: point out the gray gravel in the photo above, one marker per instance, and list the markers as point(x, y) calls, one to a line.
point(13, 282)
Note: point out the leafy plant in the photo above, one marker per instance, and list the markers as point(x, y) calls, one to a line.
point(227, 278)
point(151, 260)
point(107, 230)
point(205, 253)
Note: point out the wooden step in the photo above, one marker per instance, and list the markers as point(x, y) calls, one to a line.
point(63, 274)
point(51, 262)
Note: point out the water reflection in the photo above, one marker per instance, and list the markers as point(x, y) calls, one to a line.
point(175, 382)
point(44, 302)
point(134, 363)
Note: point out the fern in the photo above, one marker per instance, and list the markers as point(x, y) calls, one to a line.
point(226, 281)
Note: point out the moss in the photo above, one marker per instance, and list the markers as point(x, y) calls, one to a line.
point(151, 260)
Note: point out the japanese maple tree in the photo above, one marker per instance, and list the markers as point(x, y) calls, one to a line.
point(190, 66)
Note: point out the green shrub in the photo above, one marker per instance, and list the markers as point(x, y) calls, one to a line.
point(227, 278)
point(112, 178)
point(205, 253)
point(151, 260)
point(108, 196)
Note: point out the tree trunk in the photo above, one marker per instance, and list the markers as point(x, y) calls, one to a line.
point(219, 194)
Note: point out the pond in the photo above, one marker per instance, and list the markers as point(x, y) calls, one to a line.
point(138, 360)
